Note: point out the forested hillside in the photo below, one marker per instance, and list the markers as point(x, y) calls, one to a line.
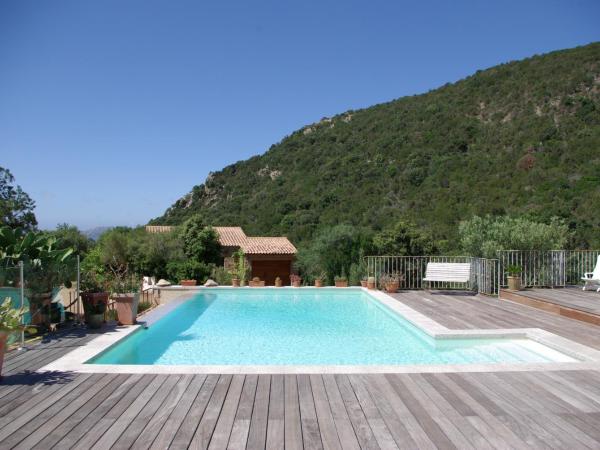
point(521, 138)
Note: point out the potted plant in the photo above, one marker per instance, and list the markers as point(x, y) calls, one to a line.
point(188, 282)
point(10, 321)
point(94, 297)
point(241, 270)
point(514, 277)
point(341, 280)
point(371, 283)
point(126, 295)
point(94, 307)
point(278, 282)
point(257, 282)
point(319, 279)
point(391, 282)
point(364, 281)
point(295, 280)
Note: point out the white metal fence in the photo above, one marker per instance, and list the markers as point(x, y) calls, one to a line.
point(484, 272)
point(551, 268)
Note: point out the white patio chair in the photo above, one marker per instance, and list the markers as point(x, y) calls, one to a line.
point(592, 279)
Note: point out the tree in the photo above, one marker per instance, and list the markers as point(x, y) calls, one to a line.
point(16, 207)
point(404, 239)
point(484, 236)
point(200, 241)
point(334, 250)
point(69, 236)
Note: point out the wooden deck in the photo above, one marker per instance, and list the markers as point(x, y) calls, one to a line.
point(572, 302)
point(456, 410)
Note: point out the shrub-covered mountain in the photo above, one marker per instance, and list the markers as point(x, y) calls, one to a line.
point(521, 138)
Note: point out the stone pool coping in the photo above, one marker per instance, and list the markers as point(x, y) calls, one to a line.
point(587, 357)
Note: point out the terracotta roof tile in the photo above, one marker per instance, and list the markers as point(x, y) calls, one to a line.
point(268, 245)
point(235, 237)
point(231, 236)
point(158, 228)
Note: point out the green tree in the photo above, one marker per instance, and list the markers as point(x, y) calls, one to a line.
point(16, 207)
point(152, 252)
point(334, 250)
point(69, 236)
point(404, 239)
point(484, 236)
point(200, 242)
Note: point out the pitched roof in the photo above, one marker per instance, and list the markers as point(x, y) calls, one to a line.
point(231, 236)
point(158, 228)
point(235, 237)
point(268, 245)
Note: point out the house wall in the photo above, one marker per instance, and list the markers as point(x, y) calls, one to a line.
point(269, 267)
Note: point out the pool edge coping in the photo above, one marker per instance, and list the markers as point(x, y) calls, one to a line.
point(587, 357)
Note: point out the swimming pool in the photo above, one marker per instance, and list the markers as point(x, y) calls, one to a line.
point(303, 327)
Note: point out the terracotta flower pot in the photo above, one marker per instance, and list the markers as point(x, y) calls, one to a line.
point(514, 283)
point(278, 282)
point(363, 283)
point(318, 283)
point(296, 283)
point(371, 283)
point(127, 306)
point(3, 338)
point(235, 282)
point(341, 283)
point(392, 287)
point(188, 282)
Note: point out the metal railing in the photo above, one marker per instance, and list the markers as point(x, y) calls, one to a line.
point(484, 278)
point(550, 268)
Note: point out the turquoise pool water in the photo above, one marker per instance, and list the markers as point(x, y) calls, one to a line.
point(302, 327)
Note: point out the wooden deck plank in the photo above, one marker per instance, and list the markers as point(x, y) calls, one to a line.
point(95, 425)
point(431, 427)
point(220, 437)
point(348, 437)
point(516, 409)
point(495, 431)
point(35, 430)
point(257, 434)
point(329, 436)
point(275, 428)
point(177, 416)
point(57, 433)
point(27, 412)
point(209, 419)
point(186, 431)
point(311, 435)
point(383, 404)
point(158, 420)
point(446, 409)
point(241, 424)
point(379, 427)
point(361, 426)
point(292, 422)
point(138, 423)
point(121, 423)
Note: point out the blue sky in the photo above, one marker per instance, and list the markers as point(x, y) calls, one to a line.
point(111, 110)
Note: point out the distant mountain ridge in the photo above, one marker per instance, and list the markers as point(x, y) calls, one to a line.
point(518, 138)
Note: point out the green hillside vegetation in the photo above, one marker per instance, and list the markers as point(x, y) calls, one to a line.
point(519, 139)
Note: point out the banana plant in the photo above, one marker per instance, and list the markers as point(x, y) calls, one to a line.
point(11, 319)
point(33, 248)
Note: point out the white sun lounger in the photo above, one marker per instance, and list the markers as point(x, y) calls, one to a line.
point(592, 279)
